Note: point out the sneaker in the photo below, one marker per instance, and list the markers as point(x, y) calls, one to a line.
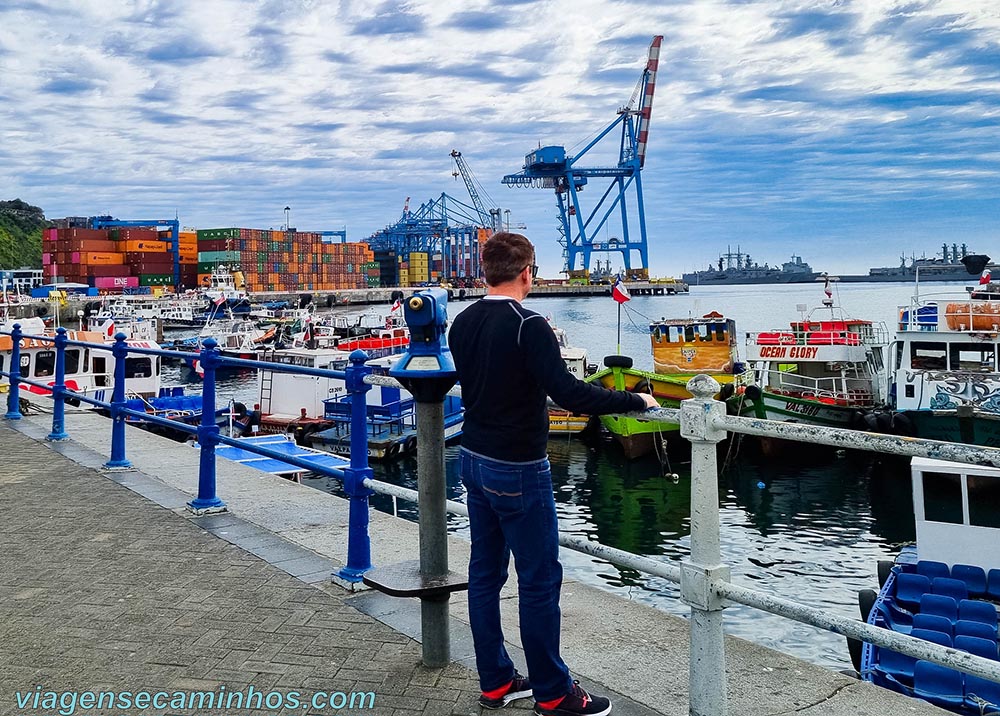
point(519, 688)
point(576, 703)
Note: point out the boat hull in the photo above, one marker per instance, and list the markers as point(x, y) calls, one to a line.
point(974, 428)
point(639, 437)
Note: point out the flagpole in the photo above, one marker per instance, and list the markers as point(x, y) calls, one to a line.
point(619, 328)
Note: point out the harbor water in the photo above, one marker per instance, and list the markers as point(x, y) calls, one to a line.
point(810, 529)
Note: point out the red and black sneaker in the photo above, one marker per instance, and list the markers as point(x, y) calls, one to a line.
point(519, 688)
point(576, 703)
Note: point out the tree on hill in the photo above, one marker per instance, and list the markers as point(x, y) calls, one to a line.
point(21, 227)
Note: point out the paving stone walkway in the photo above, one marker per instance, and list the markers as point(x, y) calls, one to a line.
point(101, 590)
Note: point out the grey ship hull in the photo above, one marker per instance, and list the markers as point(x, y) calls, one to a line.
point(735, 277)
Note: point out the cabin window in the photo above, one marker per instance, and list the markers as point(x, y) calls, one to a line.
point(45, 364)
point(720, 333)
point(72, 361)
point(138, 367)
point(26, 366)
point(984, 496)
point(943, 497)
point(689, 334)
point(973, 358)
point(928, 356)
point(704, 333)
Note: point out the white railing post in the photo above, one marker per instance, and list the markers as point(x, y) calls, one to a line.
point(704, 568)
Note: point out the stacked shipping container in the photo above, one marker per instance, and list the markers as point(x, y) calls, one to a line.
point(285, 261)
point(108, 259)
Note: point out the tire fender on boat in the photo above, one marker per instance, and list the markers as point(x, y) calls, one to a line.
point(392, 450)
point(617, 362)
point(410, 446)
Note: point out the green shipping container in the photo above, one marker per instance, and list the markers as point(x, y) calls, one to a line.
point(218, 234)
point(221, 257)
point(156, 279)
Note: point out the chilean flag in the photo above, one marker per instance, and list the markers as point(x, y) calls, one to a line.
point(985, 278)
point(619, 291)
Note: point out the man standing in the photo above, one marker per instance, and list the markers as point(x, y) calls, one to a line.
point(508, 362)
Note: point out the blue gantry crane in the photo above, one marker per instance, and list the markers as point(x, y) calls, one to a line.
point(442, 226)
point(105, 222)
point(551, 167)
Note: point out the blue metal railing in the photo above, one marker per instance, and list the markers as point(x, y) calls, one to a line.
point(207, 432)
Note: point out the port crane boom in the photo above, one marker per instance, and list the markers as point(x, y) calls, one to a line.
point(551, 167)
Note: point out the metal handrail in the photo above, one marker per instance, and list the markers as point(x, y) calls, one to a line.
point(704, 580)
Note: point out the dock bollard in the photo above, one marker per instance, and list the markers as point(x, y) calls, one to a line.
point(118, 461)
point(208, 435)
point(428, 372)
point(704, 568)
point(14, 396)
point(59, 390)
point(359, 559)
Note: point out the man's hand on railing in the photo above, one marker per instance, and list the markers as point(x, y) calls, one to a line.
point(649, 400)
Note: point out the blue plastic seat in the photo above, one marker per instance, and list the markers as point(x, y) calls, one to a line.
point(983, 630)
point(898, 667)
point(938, 684)
point(936, 637)
point(930, 569)
point(976, 610)
point(985, 648)
point(910, 587)
point(897, 619)
point(973, 576)
point(993, 585)
point(954, 588)
point(939, 604)
point(982, 695)
point(933, 622)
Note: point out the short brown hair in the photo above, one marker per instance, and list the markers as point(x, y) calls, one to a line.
point(504, 256)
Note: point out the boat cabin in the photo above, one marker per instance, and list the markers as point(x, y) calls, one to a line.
point(694, 345)
point(957, 512)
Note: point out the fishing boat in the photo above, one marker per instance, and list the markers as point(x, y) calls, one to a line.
point(565, 422)
point(825, 369)
point(226, 287)
point(88, 371)
point(681, 349)
point(317, 409)
point(945, 589)
point(945, 381)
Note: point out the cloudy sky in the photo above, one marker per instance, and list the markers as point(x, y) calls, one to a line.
point(846, 131)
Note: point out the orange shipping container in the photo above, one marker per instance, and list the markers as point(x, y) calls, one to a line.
point(99, 258)
point(143, 245)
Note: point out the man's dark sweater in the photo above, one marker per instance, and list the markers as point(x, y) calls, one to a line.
point(508, 361)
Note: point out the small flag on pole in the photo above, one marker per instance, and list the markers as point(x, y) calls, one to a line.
point(619, 291)
point(220, 300)
point(396, 305)
point(985, 278)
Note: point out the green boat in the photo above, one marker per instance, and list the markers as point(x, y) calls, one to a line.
point(681, 349)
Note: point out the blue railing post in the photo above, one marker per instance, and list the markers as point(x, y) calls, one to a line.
point(59, 389)
point(14, 397)
point(208, 434)
point(118, 461)
point(359, 549)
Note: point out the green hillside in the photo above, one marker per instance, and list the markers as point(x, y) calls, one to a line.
point(21, 227)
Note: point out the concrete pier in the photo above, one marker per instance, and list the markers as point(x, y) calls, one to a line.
point(109, 583)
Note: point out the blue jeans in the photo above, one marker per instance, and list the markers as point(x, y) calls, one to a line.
point(512, 509)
